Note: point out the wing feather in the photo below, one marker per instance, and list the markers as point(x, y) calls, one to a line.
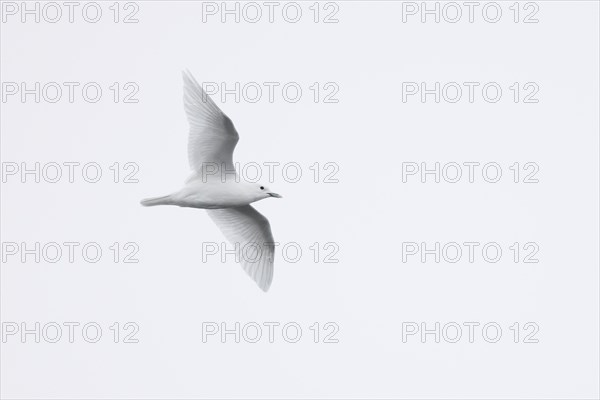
point(212, 136)
point(250, 232)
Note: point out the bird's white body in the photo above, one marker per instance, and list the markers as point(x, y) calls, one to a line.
point(213, 194)
point(226, 198)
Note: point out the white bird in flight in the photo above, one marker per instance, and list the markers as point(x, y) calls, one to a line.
point(215, 186)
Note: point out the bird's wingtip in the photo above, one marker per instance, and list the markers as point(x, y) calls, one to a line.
point(189, 80)
point(265, 286)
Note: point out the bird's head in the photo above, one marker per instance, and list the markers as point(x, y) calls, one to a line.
point(262, 192)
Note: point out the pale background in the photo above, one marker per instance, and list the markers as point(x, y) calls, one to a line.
point(369, 133)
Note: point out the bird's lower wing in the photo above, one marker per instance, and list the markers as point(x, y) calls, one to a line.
point(250, 232)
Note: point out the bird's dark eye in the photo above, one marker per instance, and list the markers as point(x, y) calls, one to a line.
point(262, 188)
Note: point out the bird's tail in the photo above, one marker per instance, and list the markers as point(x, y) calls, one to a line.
point(156, 201)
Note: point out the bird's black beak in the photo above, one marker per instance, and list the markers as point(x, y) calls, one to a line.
point(275, 195)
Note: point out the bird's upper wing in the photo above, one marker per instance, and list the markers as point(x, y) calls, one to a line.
point(212, 137)
point(249, 231)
